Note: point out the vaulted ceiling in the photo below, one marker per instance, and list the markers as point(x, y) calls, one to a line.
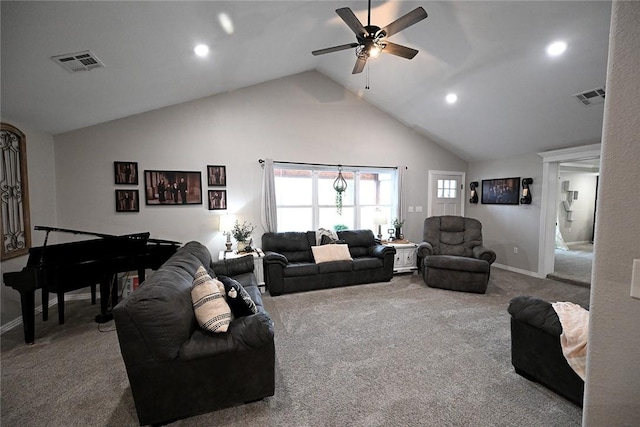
point(512, 97)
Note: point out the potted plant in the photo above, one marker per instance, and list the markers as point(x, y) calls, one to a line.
point(397, 224)
point(242, 234)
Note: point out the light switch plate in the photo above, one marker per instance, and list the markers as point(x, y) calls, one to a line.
point(410, 208)
point(418, 208)
point(635, 279)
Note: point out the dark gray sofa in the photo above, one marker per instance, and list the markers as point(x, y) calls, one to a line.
point(175, 368)
point(536, 353)
point(289, 265)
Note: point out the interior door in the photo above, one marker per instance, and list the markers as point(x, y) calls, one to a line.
point(446, 190)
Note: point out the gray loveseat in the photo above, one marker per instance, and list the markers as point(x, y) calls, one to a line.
point(289, 265)
point(175, 368)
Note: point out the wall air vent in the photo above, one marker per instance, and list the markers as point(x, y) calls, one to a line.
point(80, 61)
point(591, 97)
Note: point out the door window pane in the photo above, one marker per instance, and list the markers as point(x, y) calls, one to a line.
point(447, 189)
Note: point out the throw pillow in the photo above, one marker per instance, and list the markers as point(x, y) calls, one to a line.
point(328, 253)
point(238, 298)
point(212, 311)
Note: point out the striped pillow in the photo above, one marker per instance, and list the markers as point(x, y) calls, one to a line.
point(212, 311)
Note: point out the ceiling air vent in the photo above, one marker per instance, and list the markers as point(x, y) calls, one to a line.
point(80, 61)
point(591, 97)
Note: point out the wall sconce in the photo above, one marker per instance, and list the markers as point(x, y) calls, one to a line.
point(474, 193)
point(226, 225)
point(526, 193)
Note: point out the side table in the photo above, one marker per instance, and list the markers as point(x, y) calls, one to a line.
point(258, 267)
point(406, 260)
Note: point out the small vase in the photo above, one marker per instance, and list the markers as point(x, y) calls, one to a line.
point(398, 235)
point(242, 246)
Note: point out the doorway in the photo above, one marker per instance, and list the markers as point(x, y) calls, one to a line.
point(573, 255)
point(550, 206)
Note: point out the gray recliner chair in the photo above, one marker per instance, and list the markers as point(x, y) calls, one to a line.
point(452, 256)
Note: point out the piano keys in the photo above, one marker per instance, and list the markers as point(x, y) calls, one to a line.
point(66, 267)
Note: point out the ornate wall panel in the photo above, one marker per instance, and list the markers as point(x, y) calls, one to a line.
point(15, 227)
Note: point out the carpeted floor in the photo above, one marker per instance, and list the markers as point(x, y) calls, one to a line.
point(574, 266)
point(382, 354)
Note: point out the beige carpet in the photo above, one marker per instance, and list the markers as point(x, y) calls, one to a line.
point(383, 354)
point(574, 266)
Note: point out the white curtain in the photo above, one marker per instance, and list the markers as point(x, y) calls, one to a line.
point(401, 182)
point(269, 210)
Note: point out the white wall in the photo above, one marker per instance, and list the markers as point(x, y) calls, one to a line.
point(302, 118)
point(505, 227)
point(42, 203)
point(581, 228)
point(613, 378)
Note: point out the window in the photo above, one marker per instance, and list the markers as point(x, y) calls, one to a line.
point(447, 188)
point(306, 199)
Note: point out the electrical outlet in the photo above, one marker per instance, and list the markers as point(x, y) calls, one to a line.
point(410, 208)
point(418, 208)
point(515, 249)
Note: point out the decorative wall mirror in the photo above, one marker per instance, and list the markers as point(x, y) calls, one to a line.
point(15, 227)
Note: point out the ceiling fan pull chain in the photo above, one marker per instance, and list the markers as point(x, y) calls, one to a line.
point(367, 78)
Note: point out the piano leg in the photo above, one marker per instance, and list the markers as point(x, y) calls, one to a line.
point(61, 308)
point(93, 294)
point(45, 304)
point(106, 284)
point(27, 300)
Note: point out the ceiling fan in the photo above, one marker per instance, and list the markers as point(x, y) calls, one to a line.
point(372, 40)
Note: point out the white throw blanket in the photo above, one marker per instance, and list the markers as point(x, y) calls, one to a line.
point(575, 330)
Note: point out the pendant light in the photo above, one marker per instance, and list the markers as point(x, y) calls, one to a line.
point(340, 185)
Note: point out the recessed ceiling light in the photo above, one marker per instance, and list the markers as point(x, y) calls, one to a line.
point(556, 48)
point(201, 50)
point(451, 98)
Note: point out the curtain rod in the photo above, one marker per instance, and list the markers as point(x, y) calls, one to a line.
point(261, 161)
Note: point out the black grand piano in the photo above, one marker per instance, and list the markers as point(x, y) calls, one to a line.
point(66, 267)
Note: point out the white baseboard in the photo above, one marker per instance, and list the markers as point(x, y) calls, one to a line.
point(67, 297)
point(516, 270)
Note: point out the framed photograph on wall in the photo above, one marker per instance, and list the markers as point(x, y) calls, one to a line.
point(171, 188)
point(125, 173)
point(503, 191)
point(216, 175)
point(217, 200)
point(127, 201)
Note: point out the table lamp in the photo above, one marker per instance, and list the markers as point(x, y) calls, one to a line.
point(226, 225)
point(379, 219)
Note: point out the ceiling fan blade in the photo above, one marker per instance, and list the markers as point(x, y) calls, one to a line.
point(351, 20)
point(399, 50)
point(416, 15)
point(360, 63)
point(334, 49)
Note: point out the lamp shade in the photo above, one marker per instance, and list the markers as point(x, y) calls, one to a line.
point(380, 218)
point(226, 223)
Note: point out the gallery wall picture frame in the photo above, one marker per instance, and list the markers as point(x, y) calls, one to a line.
point(172, 188)
point(217, 200)
point(125, 173)
point(216, 175)
point(502, 191)
point(127, 201)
